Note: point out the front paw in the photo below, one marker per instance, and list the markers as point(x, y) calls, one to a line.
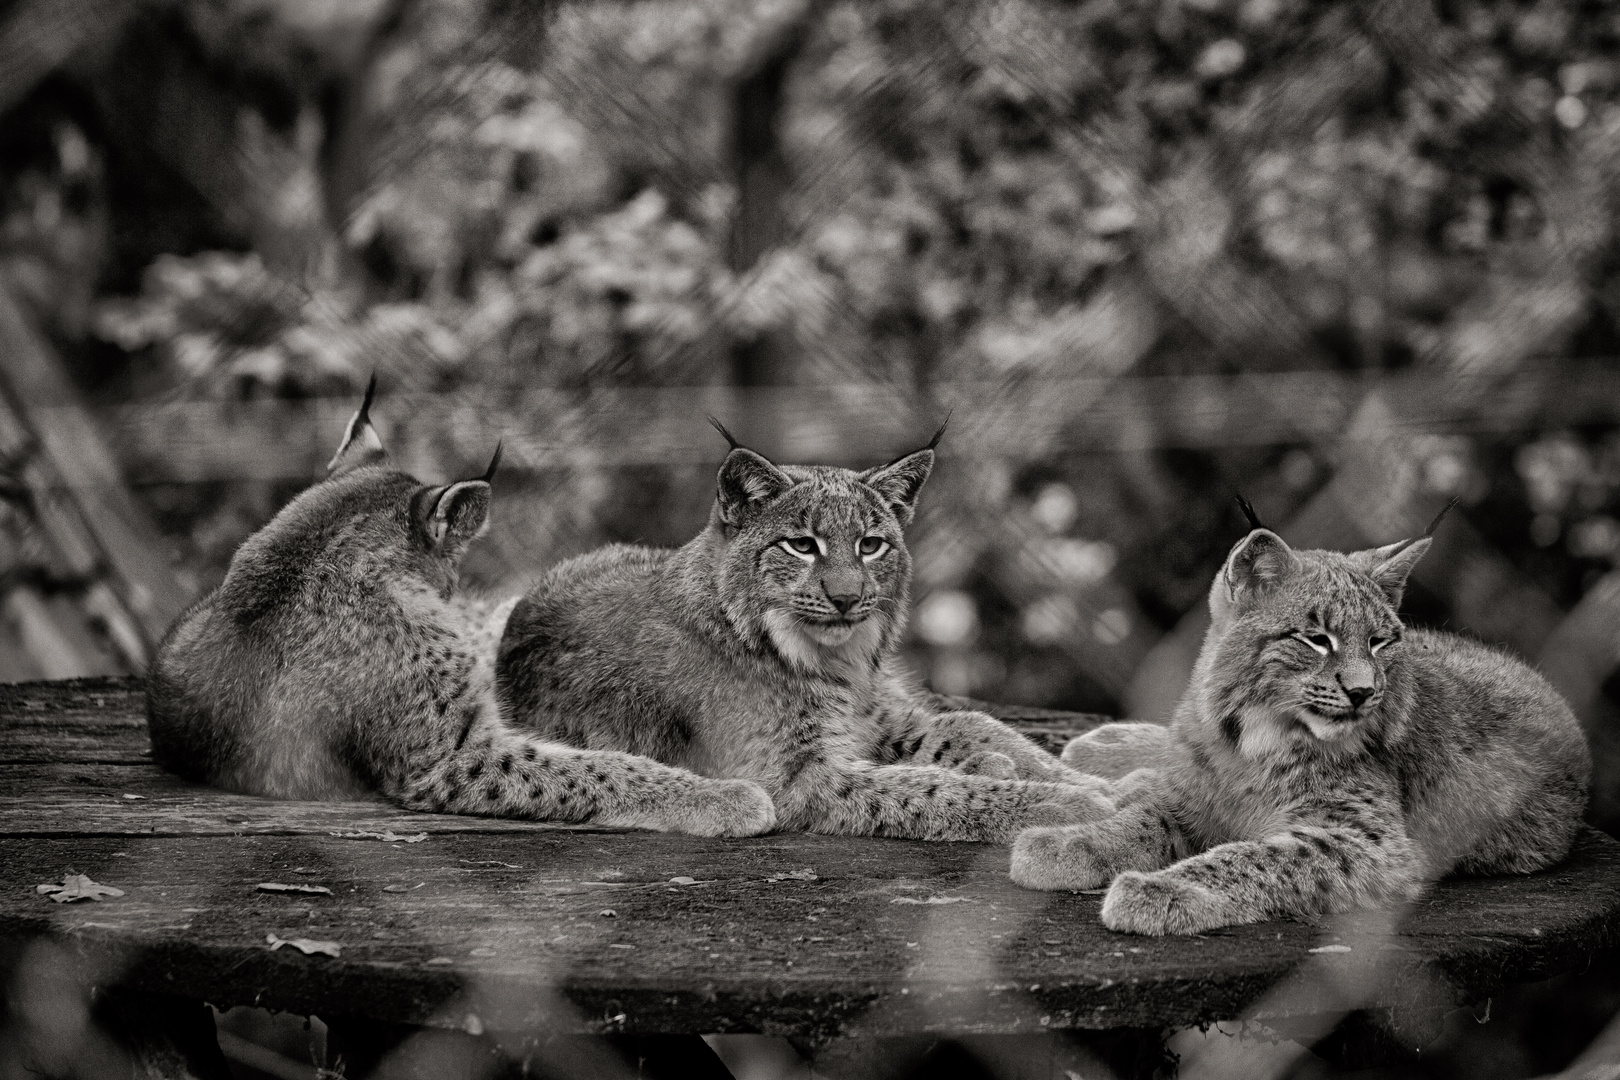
point(1114, 750)
point(1162, 903)
point(729, 808)
point(1068, 804)
point(1062, 858)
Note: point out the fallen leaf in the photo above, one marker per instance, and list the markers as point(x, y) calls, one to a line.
point(75, 887)
point(1329, 949)
point(482, 950)
point(134, 796)
point(439, 961)
point(276, 886)
point(608, 913)
point(683, 881)
point(396, 888)
point(806, 874)
point(387, 836)
point(934, 900)
point(305, 945)
point(621, 946)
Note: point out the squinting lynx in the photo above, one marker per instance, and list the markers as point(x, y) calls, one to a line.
point(332, 660)
point(764, 649)
point(1323, 758)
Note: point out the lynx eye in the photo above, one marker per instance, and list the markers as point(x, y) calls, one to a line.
point(870, 547)
point(801, 546)
point(1322, 643)
point(1377, 642)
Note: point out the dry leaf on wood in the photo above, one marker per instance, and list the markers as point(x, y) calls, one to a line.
point(276, 886)
point(807, 874)
point(305, 945)
point(76, 887)
point(1329, 949)
point(387, 836)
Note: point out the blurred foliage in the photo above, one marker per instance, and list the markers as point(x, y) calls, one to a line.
point(476, 199)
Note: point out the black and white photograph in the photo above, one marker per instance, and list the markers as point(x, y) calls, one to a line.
point(809, 539)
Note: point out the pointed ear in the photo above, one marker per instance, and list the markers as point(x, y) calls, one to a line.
point(1258, 563)
point(901, 481)
point(747, 480)
point(360, 445)
point(454, 515)
point(1392, 564)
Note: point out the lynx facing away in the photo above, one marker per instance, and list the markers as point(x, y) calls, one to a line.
point(764, 649)
point(331, 661)
point(1323, 758)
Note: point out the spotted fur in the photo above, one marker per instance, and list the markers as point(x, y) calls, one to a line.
point(765, 649)
point(335, 659)
point(1323, 758)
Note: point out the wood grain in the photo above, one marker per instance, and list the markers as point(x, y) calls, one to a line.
point(504, 922)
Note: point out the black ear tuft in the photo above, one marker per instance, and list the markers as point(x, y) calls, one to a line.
point(1441, 516)
point(730, 439)
point(1248, 512)
point(940, 434)
point(361, 444)
point(364, 415)
point(494, 463)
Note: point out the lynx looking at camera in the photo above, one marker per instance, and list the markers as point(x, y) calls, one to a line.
point(765, 649)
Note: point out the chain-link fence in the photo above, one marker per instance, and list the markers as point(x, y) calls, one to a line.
point(1349, 259)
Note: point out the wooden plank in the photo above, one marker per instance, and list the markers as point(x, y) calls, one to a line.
point(74, 720)
point(503, 922)
point(102, 721)
point(509, 929)
point(140, 799)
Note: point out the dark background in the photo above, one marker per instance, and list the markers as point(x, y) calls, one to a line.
point(1350, 259)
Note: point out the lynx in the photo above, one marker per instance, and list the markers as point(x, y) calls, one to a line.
point(1323, 758)
point(765, 649)
point(334, 659)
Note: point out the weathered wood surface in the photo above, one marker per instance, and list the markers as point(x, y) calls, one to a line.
point(502, 925)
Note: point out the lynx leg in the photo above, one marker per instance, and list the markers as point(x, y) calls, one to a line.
point(926, 803)
point(510, 775)
point(1304, 870)
point(1114, 750)
point(1088, 856)
point(974, 742)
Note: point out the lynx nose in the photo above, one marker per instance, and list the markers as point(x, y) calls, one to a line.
point(843, 601)
point(1357, 695)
